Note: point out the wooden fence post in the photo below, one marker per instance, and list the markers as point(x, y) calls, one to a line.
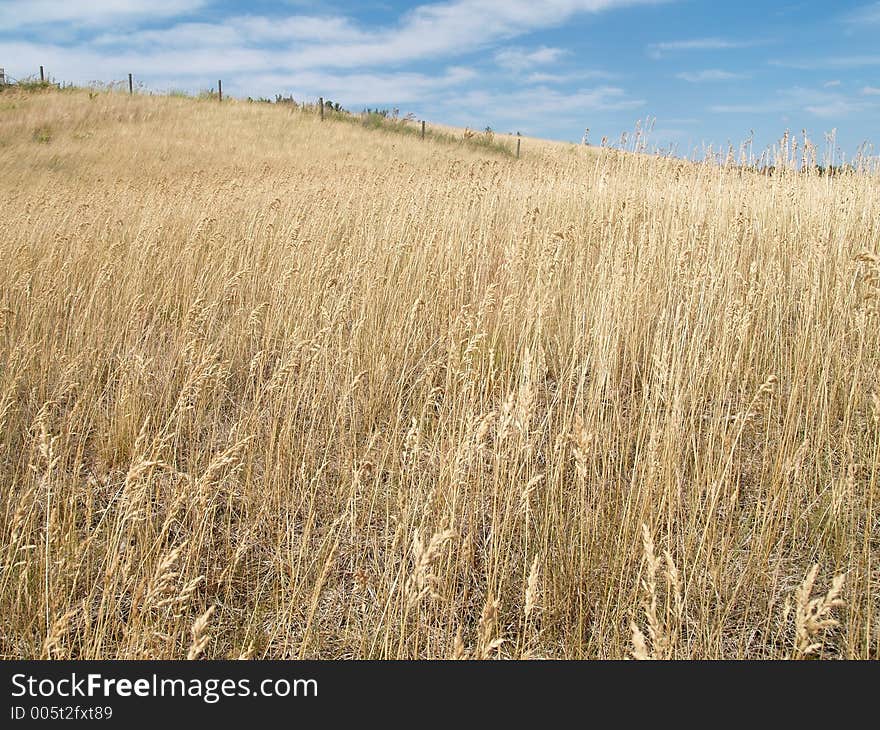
point(42, 75)
point(423, 129)
point(219, 89)
point(518, 140)
point(130, 85)
point(321, 104)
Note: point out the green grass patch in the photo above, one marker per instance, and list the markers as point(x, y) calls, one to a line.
point(383, 121)
point(42, 134)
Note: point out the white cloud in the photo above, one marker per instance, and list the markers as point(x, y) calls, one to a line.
point(457, 27)
point(525, 104)
point(181, 36)
point(534, 110)
point(865, 15)
point(834, 108)
point(831, 84)
point(871, 91)
point(246, 30)
point(308, 53)
point(429, 31)
point(712, 74)
point(658, 50)
point(542, 77)
point(83, 63)
point(519, 59)
point(333, 29)
point(763, 107)
point(354, 90)
point(830, 62)
point(824, 104)
point(22, 13)
point(246, 72)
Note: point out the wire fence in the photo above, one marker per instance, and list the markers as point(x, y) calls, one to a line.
point(323, 108)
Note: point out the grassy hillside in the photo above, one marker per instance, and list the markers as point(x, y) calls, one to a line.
point(274, 387)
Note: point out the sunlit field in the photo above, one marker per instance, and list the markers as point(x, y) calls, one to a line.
point(273, 387)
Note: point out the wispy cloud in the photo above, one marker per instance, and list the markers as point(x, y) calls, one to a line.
point(439, 30)
point(834, 108)
point(865, 15)
point(658, 50)
point(543, 77)
point(711, 74)
point(871, 91)
point(829, 62)
point(818, 103)
point(428, 31)
point(520, 59)
point(367, 88)
point(335, 56)
point(522, 107)
point(244, 71)
point(761, 107)
point(90, 13)
point(304, 50)
point(247, 30)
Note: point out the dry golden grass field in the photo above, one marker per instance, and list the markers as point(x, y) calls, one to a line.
point(271, 387)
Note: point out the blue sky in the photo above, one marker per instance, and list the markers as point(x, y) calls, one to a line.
point(709, 72)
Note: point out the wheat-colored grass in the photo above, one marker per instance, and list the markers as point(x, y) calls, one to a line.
point(277, 388)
